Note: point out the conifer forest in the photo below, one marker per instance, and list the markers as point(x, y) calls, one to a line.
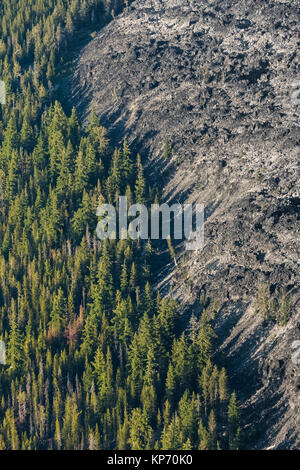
point(96, 358)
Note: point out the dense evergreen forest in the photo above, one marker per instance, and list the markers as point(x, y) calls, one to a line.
point(96, 359)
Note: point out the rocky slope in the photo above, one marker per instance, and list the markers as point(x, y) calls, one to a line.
point(215, 79)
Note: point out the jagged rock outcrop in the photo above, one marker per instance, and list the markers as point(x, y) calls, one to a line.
point(216, 78)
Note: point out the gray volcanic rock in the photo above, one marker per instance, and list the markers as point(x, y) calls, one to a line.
point(216, 78)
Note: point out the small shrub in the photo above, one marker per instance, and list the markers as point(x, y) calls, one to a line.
point(272, 308)
point(167, 150)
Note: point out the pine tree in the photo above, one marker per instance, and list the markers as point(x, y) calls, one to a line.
point(99, 367)
point(171, 436)
point(204, 338)
point(167, 150)
point(140, 437)
point(27, 136)
point(80, 174)
point(57, 316)
point(74, 129)
point(10, 141)
point(212, 428)
point(170, 385)
point(233, 422)
point(223, 387)
point(203, 436)
point(15, 350)
point(126, 162)
point(64, 182)
point(40, 153)
point(140, 186)
point(13, 172)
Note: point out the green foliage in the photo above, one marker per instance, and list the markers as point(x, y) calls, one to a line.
point(96, 359)
point(167, 150)
point(272, 307)
point(234, 423)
